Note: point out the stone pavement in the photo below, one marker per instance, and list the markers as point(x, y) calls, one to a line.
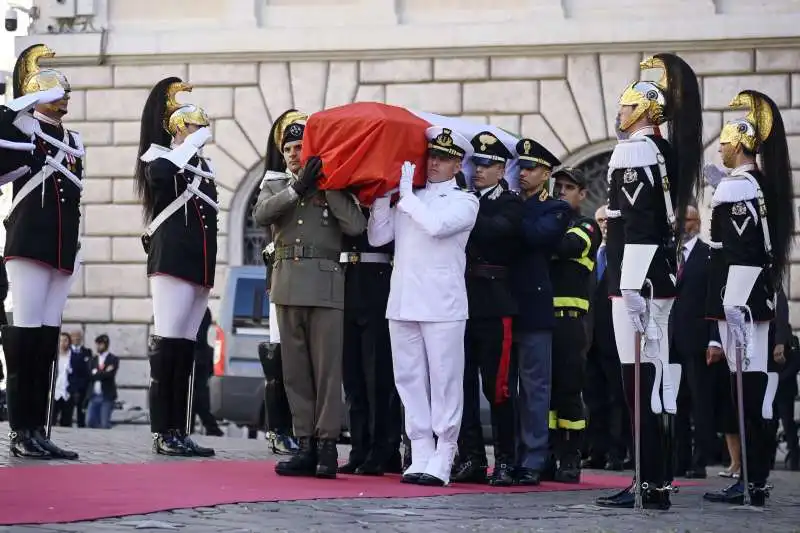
point(562, 512)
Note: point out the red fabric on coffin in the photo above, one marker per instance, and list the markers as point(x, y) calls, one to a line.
point(46, 494)
point(364, 145)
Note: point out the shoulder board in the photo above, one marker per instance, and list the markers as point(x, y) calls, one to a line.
point(734, 189)
point(272, 175)
point(634, 153)
point(77, 138)
point(543, 195)
point(154, 152)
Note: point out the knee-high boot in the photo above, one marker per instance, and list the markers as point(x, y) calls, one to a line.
point(181, 387)
point(45, 358)
point(19, 348)
point(162, 354)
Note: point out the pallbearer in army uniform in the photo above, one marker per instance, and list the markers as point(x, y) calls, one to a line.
point(44, 160)
point(308, 291)
point(427, 307)
point(752, 224)
point(179, 198)
point(284, 146)
point(491, 248)
point(651, 181)
point(570, 272)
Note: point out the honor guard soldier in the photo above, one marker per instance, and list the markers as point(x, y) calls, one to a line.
point(570, 272)
point(544, 222)
point(45, 162)
point(284, 146)
point(491, 249)
point(427, 307)
point(752, 224)
point(651, 181)
point(372, 399)
point(179, 202)
point(308, 291)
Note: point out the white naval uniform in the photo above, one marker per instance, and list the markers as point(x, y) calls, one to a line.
point(427, 312)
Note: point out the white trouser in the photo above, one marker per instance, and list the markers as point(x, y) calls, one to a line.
point(178, 307)
point(656, 351)
point(757, 355)
point(428, 360)
point(39, 292)
point(274, 333)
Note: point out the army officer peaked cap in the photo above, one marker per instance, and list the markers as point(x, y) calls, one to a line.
point(489, 149)
point(532, 154)
point(444, 141)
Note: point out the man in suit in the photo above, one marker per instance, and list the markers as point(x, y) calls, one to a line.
point(308, 291)
point(544, 223)
point(608, 429)
point(690, 334)
point(103, 391)
point(491, 249)
point(80, 363)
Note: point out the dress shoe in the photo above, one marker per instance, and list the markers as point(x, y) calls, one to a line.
point(611, 498)
point(167, 444)
point(430, 481)
point(469, 471)
point(193, 448)
point(283, 444)
point(22, 444)
point(412, 478)
point(350, 467)
point(502, 475)
point(527, 477)
point(696, 473)
point(734, 495)
point(327, 458)
point(657, 500)
point(50, 447)
point(303, 463)
point(371, 467)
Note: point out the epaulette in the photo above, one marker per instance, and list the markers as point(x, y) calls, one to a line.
point(543, 195)
point(272, 175)
point(734, 189)
point(633, 153)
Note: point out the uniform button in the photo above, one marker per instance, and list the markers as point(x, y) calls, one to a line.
point(202, 216)
point(60, 190)
point(205, 227)
point(62, 200)
point(299, 221)
point(297, 240)
point(302, 204)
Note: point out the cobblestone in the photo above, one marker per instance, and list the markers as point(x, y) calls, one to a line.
point(567, 511)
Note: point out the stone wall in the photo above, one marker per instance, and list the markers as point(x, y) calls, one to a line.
point(567, 102)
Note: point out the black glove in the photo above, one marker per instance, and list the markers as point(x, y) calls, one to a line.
point(308, 177)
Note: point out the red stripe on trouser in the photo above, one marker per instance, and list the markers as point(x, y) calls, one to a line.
point(501, 392)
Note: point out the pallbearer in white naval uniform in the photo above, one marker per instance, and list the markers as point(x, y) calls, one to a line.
point(752, 223)
point(427, 307)
point(44, 160)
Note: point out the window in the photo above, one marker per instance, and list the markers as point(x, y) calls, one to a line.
point(596, 171)
point(254, 238)
point(250, 305)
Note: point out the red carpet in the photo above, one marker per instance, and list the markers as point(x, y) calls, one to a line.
point(70, 493)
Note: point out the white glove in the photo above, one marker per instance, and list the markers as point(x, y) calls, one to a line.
point(407, 179)
point(713, 174)
point(199, 138)
point(735, 319)
point(50, 95)
point(637, 309)
point(389, 194)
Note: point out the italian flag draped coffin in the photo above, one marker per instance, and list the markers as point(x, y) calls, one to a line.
point(364, 145)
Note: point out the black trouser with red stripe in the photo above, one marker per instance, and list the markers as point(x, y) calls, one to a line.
point(487, 352)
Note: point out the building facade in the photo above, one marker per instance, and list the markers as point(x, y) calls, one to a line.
point(548, 69)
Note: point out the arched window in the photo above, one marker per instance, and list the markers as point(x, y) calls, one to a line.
point(254, 238)
point(596, 171)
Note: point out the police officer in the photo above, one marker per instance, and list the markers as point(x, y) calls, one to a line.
point(308, 291)
point(544, 222)
point(372, 398)
point(44, 160)
point(491, 248)
point(570, 272)
point(179, 201)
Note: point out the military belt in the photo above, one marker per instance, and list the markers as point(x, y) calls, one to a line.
point(364, 257)
point(568, 313)
point(487, 271)
point(299, 251)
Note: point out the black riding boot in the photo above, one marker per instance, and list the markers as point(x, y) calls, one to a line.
point(163, 353)
point(569, 457)
point(304, 463)
point(276, 404)
point(19, 348)
point(327, 457)
point(181, 388)
point(45, 359)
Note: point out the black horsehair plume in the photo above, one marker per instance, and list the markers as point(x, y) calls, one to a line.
point(152, 132)
point(685, 115)
point(776, 185)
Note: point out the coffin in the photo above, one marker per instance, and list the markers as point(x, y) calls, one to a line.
point(364, 145)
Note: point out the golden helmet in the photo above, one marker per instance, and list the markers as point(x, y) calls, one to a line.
point(647, 97)
point(754, 128)
point(178, 116)
point(30, 78)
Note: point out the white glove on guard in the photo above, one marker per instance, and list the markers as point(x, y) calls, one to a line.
point(407, 179)
point(637, 309)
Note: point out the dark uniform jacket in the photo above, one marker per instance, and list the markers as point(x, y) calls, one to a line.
point(107, 376)
point(493, 245)
point(544, 222)
point(185, 245)
point(573, 264)
point(689, 330)
point(45, 224)
point(366, 286)
point(737, 238)
point(637, 212)
point(307, 233)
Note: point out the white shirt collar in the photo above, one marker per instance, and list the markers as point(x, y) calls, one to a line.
point(487, 190)
point(449, 184)
point(46, 119)
point(647, 130)
point(747, 167)
point(688, 246)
